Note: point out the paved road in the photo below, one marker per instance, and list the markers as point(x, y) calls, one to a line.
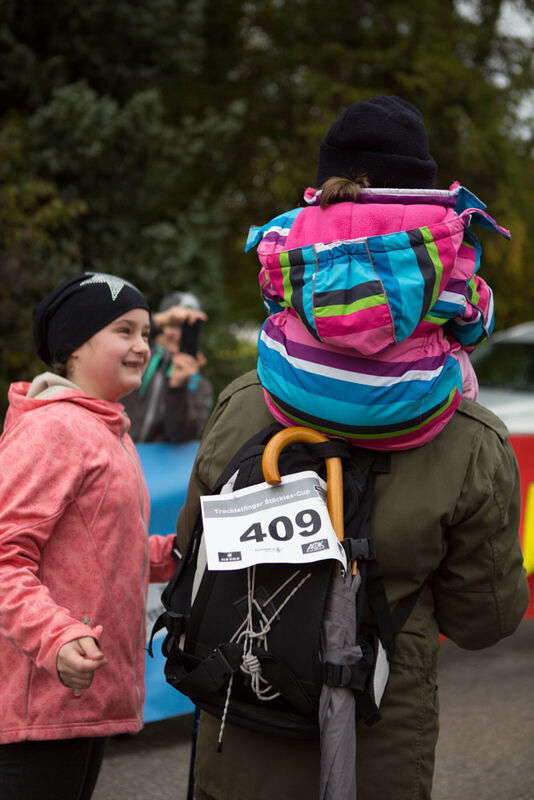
point(485, 751)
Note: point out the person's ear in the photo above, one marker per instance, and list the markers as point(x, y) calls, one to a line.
point(70, 365)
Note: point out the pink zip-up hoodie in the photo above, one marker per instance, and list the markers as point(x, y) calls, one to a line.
point(75, 560)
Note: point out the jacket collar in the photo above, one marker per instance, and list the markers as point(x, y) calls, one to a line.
point(48, 389)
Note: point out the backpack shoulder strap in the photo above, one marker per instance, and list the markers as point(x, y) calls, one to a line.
point(362, 470)
point(176, 596)
point(253, 446)
point(389, 621)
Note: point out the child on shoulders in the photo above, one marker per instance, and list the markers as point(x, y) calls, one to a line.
point(372, 289)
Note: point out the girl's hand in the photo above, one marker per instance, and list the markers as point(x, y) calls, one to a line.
point(77, 662)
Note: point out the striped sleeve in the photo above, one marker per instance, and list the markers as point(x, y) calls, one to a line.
point(473, 326)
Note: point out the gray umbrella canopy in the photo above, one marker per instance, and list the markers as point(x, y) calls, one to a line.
point(337, 705)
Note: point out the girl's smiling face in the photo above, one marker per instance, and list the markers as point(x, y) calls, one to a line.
point(111, 363)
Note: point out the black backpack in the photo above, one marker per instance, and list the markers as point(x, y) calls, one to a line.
point(204, 609)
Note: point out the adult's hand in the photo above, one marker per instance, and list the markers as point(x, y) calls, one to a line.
point(77, 662)
point(184, 366)
point(177, 316)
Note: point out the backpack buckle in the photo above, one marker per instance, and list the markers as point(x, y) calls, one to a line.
point(359, 549)
point(175, 623)
point(346, 676)
point(337, 675)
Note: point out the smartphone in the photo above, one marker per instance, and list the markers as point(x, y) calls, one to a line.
point(190, 336)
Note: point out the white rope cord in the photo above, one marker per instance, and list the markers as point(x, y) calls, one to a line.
point(284, 584)
point(250, 664)
point(225, 712)
point(289, 596)
point(269, 600)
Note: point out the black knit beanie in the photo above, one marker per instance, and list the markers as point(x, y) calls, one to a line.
point(77, 309)
point(385, 138)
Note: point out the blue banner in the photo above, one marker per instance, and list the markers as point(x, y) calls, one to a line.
point(167, 468)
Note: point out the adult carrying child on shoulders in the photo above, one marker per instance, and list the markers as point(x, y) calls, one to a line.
point(374, 304)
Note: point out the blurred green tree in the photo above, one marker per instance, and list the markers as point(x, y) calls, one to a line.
point(156, 132)
point(86, 134)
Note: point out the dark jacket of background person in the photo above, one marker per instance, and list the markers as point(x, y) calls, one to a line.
point(446, 518)
point(166, 413)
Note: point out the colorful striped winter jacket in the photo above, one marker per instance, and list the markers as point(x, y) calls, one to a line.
point(369, 303)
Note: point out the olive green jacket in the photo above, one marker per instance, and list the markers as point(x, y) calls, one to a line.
point(446, 518)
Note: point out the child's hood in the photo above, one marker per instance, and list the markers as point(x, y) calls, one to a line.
point(48, 389)
point(377, 212)
point(354, 287)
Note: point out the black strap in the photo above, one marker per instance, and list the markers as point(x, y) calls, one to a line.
point(155, 391)
point(333, 448)
point(367, 710)
point(284, 681)
point(349, 676)
point(361, 472)
point(180, 587)
point(174, 623)
point(158, 625)
point(389, 622)
point(209, 675)
point(213, 672)
point(359, 549)
point(404, 608)
point(254, 446)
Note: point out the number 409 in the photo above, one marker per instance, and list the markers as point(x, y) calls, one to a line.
point(308, 522)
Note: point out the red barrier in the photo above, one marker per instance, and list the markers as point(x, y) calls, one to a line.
point(523, 445)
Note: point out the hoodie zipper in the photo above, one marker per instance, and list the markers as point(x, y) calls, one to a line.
point(145, 559)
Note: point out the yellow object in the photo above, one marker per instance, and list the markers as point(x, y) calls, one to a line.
point(528, 531)
point(334, 472)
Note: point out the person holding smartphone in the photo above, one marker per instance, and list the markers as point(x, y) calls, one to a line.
point(174, 400)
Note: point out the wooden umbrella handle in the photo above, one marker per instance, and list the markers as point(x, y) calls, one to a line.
point(334, 472)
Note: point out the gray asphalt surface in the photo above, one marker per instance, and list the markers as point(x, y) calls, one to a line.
point(485, 750)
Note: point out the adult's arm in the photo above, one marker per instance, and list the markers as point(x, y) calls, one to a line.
point(239, 414)
point(480, 590)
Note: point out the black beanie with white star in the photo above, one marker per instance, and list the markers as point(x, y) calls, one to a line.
point(77, 309)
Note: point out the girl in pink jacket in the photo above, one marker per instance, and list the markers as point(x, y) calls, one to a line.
point(75, 557)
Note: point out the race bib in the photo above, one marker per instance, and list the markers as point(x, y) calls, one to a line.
point(265, 524)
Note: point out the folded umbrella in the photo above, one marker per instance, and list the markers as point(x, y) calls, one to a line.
point(337, 707)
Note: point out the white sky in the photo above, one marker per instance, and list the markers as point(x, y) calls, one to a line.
point(513, 21)
point(518, 22)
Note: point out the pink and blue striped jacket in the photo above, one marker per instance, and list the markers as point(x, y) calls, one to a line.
point(369, 304)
